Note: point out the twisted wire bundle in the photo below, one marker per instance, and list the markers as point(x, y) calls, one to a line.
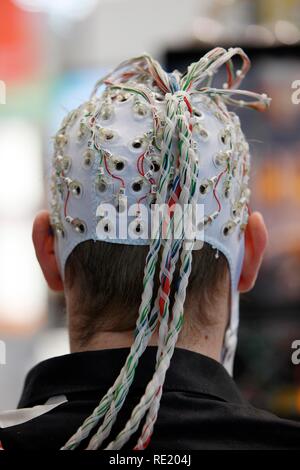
point(130, 76)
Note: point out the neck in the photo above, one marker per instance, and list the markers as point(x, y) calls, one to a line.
point(205, 340)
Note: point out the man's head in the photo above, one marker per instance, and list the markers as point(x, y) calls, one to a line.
point(152, 139)
point(103, 281)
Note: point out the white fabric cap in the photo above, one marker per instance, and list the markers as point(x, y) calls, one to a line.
point(109, 152)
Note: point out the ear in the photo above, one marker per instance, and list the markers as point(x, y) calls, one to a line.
point(256, 238)
point(43, 240)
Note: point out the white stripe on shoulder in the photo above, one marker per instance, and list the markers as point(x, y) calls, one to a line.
point(13, 417)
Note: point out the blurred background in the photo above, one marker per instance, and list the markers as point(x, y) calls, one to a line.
point(51, 53)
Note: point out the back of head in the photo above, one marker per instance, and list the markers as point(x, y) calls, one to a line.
point(106, 285)
point(149, 203)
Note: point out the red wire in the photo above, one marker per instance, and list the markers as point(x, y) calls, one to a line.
point(166, 289)
point(229, 75)
point(189, 86)
point(188, 105)
point(149, 438)
point(113, 176)
point(66, 202)
point(215, 187)
point(141, 199)
point(140, 169)
point(128, 74)
point(190, 110)
point(159, 81)
point(166, 282)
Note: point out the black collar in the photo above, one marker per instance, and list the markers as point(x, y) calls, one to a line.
point(93, 371)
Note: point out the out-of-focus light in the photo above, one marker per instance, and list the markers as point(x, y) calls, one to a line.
point(22, 293)
point(207, 29)
point(74, 10)
point(226, 2)
point(259, 34)
point(22, 289)
point(51, 343)
point(21, 184)
point(286, 32)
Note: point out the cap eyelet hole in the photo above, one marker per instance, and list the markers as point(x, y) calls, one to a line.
point(138, 228)
point(88, 159)
point(79, 226)
point(198, 113)
point(137, 186)
point(76, 189)
point(122, 97)
point(119, 165)
point(155, 166)
point(159, 98)
point(203, 189)
point(137, 144)
point(107, 135)
point(101, 185)
point(228, 229)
